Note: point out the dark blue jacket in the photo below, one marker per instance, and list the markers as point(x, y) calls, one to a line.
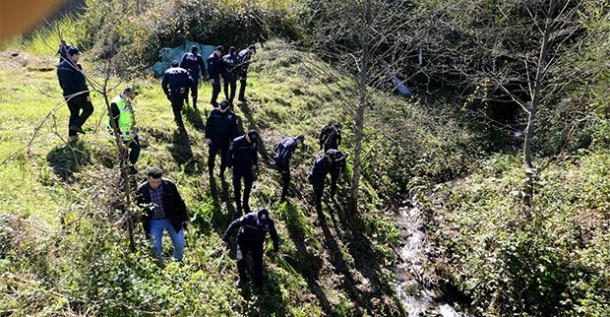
point(283, 152)
point(243, 58)
point(242, 155)
point(193, 63)
point(230, 66)
point(221, 126)
point(173, 205)
point(319, 170)
point(215, 68)
point(252, 232)
point(176, 80)
point(71, 78)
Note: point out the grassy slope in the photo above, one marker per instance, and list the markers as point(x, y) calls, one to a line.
point(64, 219)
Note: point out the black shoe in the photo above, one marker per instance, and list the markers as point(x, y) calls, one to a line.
point(133, 170)
point(77, 129)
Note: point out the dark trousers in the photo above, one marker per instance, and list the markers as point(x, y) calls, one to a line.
point(256, 253)
point(335, 171)
point(194, 92)
point(215, 92)
point(232, 83)
point(242, 87)
point(248, 175)
point(285, 171)
point(318, 190)
point(134, 150)
point(223, 147)
point(77, 118)
point(177, 100)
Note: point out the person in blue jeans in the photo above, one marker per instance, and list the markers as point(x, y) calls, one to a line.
point(164, 210)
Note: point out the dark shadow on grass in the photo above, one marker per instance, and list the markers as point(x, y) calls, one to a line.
point(68, 159)
point(194, 117)
point(220, 221)
point(262, 150)
point(267, 301)
point(183, 154)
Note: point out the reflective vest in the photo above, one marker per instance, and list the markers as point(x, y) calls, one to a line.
point(126, 118)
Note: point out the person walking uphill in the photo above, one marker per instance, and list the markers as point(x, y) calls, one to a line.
point(221, 127)
point(164, 209)
point(193, 63)
point(75, 91)
point(176, 83)
point(253, 228)
point(231, 70)
point(215, 70)
point(330, 136)
point(123, 122)
point(243, 159)
point(322, 166)
point(283, 153)
point(243, 58)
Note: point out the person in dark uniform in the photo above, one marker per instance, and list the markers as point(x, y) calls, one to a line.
point(231, 70)
point(215, 70)
point(283, 153)
point(322, 166)
point(176, 83)
point(253, 228)
point(336, 169)
point(243, 58)
point(221, 127)
point(75, 92)
point(330, 136)
point(193, 63)
point(243, 159)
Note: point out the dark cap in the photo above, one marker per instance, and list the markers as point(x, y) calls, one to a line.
point(262, 214)
point(252, 47)
point(220, 48)
point(224, 104)
point(194, 48)
point(301, 138)
point(73, 50)
point(333, 153)
point(253, 135)
point(174, 63)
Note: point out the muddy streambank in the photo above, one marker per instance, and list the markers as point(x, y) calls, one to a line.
point(416, 284)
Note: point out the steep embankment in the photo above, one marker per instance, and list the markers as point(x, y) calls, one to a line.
point(60, 255)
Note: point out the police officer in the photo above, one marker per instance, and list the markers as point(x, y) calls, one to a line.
point(330, 136)
point(253, 228)
point(193, 62)
point(243, 159)
point(176, 83)
point(283, 153)
point(124, 123)
point(336, 169)
point(244, 58)
point(322, 166)
point(221, 127)
point(231, 70)
point(215, 70)
point(75, 92)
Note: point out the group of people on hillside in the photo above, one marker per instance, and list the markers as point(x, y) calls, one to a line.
point(164, 208)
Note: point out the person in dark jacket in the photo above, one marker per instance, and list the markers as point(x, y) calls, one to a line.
point(75, 92)
point(253, 228)
point(283, 153)
point(322, 166)
point(231, 70)
point(243, 58)
point(176, 83)
point(330, 136)
point(164, 209)
point(215, 70)
point(243, 160)
point(221, 127)
point(193, 63)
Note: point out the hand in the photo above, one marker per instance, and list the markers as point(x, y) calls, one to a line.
point(224, 243)
point(254, 168)
point(212, 81)
point(208, 142)
point(89, 98)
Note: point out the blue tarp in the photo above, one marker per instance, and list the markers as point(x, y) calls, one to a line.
point(167, 55)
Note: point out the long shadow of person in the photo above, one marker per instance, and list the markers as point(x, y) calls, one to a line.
point(183, 154)
point(68, 159)
point(220, 221)
point(194, 117)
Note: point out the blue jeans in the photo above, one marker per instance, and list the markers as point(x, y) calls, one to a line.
point(156, 234)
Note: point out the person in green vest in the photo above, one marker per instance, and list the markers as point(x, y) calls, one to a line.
point(122, 110)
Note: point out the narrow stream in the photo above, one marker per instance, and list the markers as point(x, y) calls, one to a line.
point(414, 286)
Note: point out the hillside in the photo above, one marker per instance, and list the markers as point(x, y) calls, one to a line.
point(62, 256)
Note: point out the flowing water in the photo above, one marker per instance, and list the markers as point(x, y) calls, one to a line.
point(415, 288)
